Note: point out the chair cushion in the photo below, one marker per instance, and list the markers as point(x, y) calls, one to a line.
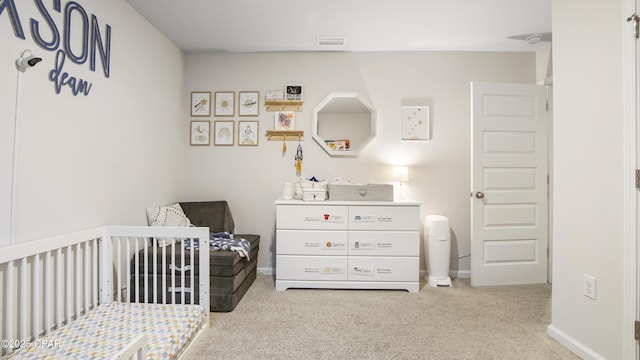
point(215, 215)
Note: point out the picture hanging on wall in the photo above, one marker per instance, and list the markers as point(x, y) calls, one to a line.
point(284, 120)
point(293, 92)
point(248, 104)
point(223, 132)
point(224, 103)
point(415, 123)
point(200, 133)
point(201, 103)
point(248, 133)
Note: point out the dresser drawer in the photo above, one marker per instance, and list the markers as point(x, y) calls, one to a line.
point(384, 218)
point(290, 267)
point(383, 268)
point(312, 217)
point(386, 243)
point(308, 242)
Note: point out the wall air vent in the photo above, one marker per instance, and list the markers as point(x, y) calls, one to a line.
point(330, 40)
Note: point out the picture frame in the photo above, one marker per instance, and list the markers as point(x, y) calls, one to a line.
point(224, 103)
point(415, 123)
point(248, 132)
point(293, 92)
point(223, 132)
point(200, 103)
point(200, 134)
point(248, 103)
point(284, 120)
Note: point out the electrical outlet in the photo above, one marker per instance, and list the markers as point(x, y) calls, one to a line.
point(589, 286)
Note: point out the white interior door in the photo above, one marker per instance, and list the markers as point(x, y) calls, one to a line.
point(508, 184)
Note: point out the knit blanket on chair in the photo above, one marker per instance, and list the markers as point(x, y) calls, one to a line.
point(222, 241)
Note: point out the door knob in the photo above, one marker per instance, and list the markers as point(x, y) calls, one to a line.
point(480, 195)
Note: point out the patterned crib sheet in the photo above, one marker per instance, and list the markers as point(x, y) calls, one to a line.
point(107, 329)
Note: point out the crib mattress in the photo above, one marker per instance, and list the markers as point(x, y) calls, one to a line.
point(107, 329)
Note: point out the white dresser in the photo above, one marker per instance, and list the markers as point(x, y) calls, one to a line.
point(347, 244)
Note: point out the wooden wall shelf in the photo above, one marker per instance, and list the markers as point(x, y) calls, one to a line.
point(283, 105)
point(285, 135)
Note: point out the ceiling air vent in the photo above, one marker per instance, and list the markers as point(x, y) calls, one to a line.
point(330, 40)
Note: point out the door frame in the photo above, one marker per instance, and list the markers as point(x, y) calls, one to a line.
point(631, 297)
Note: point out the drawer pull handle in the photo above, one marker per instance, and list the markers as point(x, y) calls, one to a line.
point(311, 245)
point(384, 245)
point(311, 270)
point(385, 219)
point(383, 271)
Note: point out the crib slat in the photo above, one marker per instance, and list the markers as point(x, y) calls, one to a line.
point(77, 290)
point(68, 285)
point(10, 330)
point(23, 295)
point(146, 273)
point(204, 272)
point(155, 271)
point(106, 274)
point(47, 292)
point(87, 275)
point(127, 274)
point(173, 273)
point(183, 284)
point(118, 261)
point(136, 273)
point(59, 288)
point(164, 275)
point(94, 247)
point(36, 296)
point(193, 274)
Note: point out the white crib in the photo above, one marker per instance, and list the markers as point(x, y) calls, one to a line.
point(50, 283)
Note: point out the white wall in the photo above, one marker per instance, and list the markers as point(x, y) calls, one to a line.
point(588, 175)
point(251, 178)
point(98, 159)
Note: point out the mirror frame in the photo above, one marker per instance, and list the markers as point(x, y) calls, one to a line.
point(344, 95)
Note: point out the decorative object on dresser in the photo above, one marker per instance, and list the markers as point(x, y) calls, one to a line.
point(348, 244)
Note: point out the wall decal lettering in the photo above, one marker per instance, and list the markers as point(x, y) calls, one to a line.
point(81, 40)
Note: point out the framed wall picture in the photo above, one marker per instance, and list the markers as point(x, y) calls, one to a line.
point(293, 92)
point(224, 103)
point(284, 120)
point(248, 104)
point(223, 131)
point(201, 103)
point(247, 133)
point(415, 123)
point(200, 133)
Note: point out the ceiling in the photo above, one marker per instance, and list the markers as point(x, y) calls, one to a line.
point(367, 25)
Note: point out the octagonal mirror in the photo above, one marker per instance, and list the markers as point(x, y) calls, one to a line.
point(344, 123)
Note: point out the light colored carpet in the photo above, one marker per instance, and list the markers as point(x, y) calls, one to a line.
point(461, 322)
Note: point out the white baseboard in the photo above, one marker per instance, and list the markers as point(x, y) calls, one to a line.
point(572, 344)
point(454, 274)
point(265, 271)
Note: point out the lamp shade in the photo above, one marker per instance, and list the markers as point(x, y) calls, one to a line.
point(401, 173)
